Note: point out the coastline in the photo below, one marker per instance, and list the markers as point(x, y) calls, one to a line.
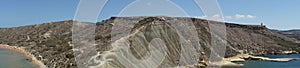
point(226, 61)
point(21, 50)
point(245, 57)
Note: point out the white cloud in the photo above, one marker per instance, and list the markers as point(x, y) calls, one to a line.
point(216, 16)
point(202, 17)
point(250, 16)
point(238, 16)
point(228, 17)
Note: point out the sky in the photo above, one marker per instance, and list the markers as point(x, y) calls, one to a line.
point(276, 14)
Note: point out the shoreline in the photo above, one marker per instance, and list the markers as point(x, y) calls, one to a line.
point(246, 57)
point(21, 50)
point(226, 61)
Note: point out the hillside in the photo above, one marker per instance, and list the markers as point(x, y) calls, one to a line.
point(291, 33)
point(51, 42)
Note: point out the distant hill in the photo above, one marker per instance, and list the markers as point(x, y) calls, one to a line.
point(51, 42)
point(291, 33)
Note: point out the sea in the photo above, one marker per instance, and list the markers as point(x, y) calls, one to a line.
point(13, 59)
point(269, 64)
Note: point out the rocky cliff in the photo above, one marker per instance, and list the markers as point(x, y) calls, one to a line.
point(51, 42)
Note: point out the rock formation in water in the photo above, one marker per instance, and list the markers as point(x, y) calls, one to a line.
point(51, 42)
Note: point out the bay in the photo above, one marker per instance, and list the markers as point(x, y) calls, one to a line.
point(269, 64)
point(13, 59)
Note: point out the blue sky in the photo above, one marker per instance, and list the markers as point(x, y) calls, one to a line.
point(276, 14)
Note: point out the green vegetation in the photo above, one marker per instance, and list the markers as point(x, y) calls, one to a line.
point(144, 21)
point(70, 56)
point(59, 45)
point(284, 43)
point(98, 37)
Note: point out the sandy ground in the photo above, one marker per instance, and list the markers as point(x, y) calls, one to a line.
point(27, 54)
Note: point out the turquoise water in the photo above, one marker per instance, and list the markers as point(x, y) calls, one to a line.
point(268, 64)
point(12, 59)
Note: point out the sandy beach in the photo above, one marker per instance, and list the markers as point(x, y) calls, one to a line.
point(27, 54)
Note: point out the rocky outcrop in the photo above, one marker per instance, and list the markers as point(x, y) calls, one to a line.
point(52, 41)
